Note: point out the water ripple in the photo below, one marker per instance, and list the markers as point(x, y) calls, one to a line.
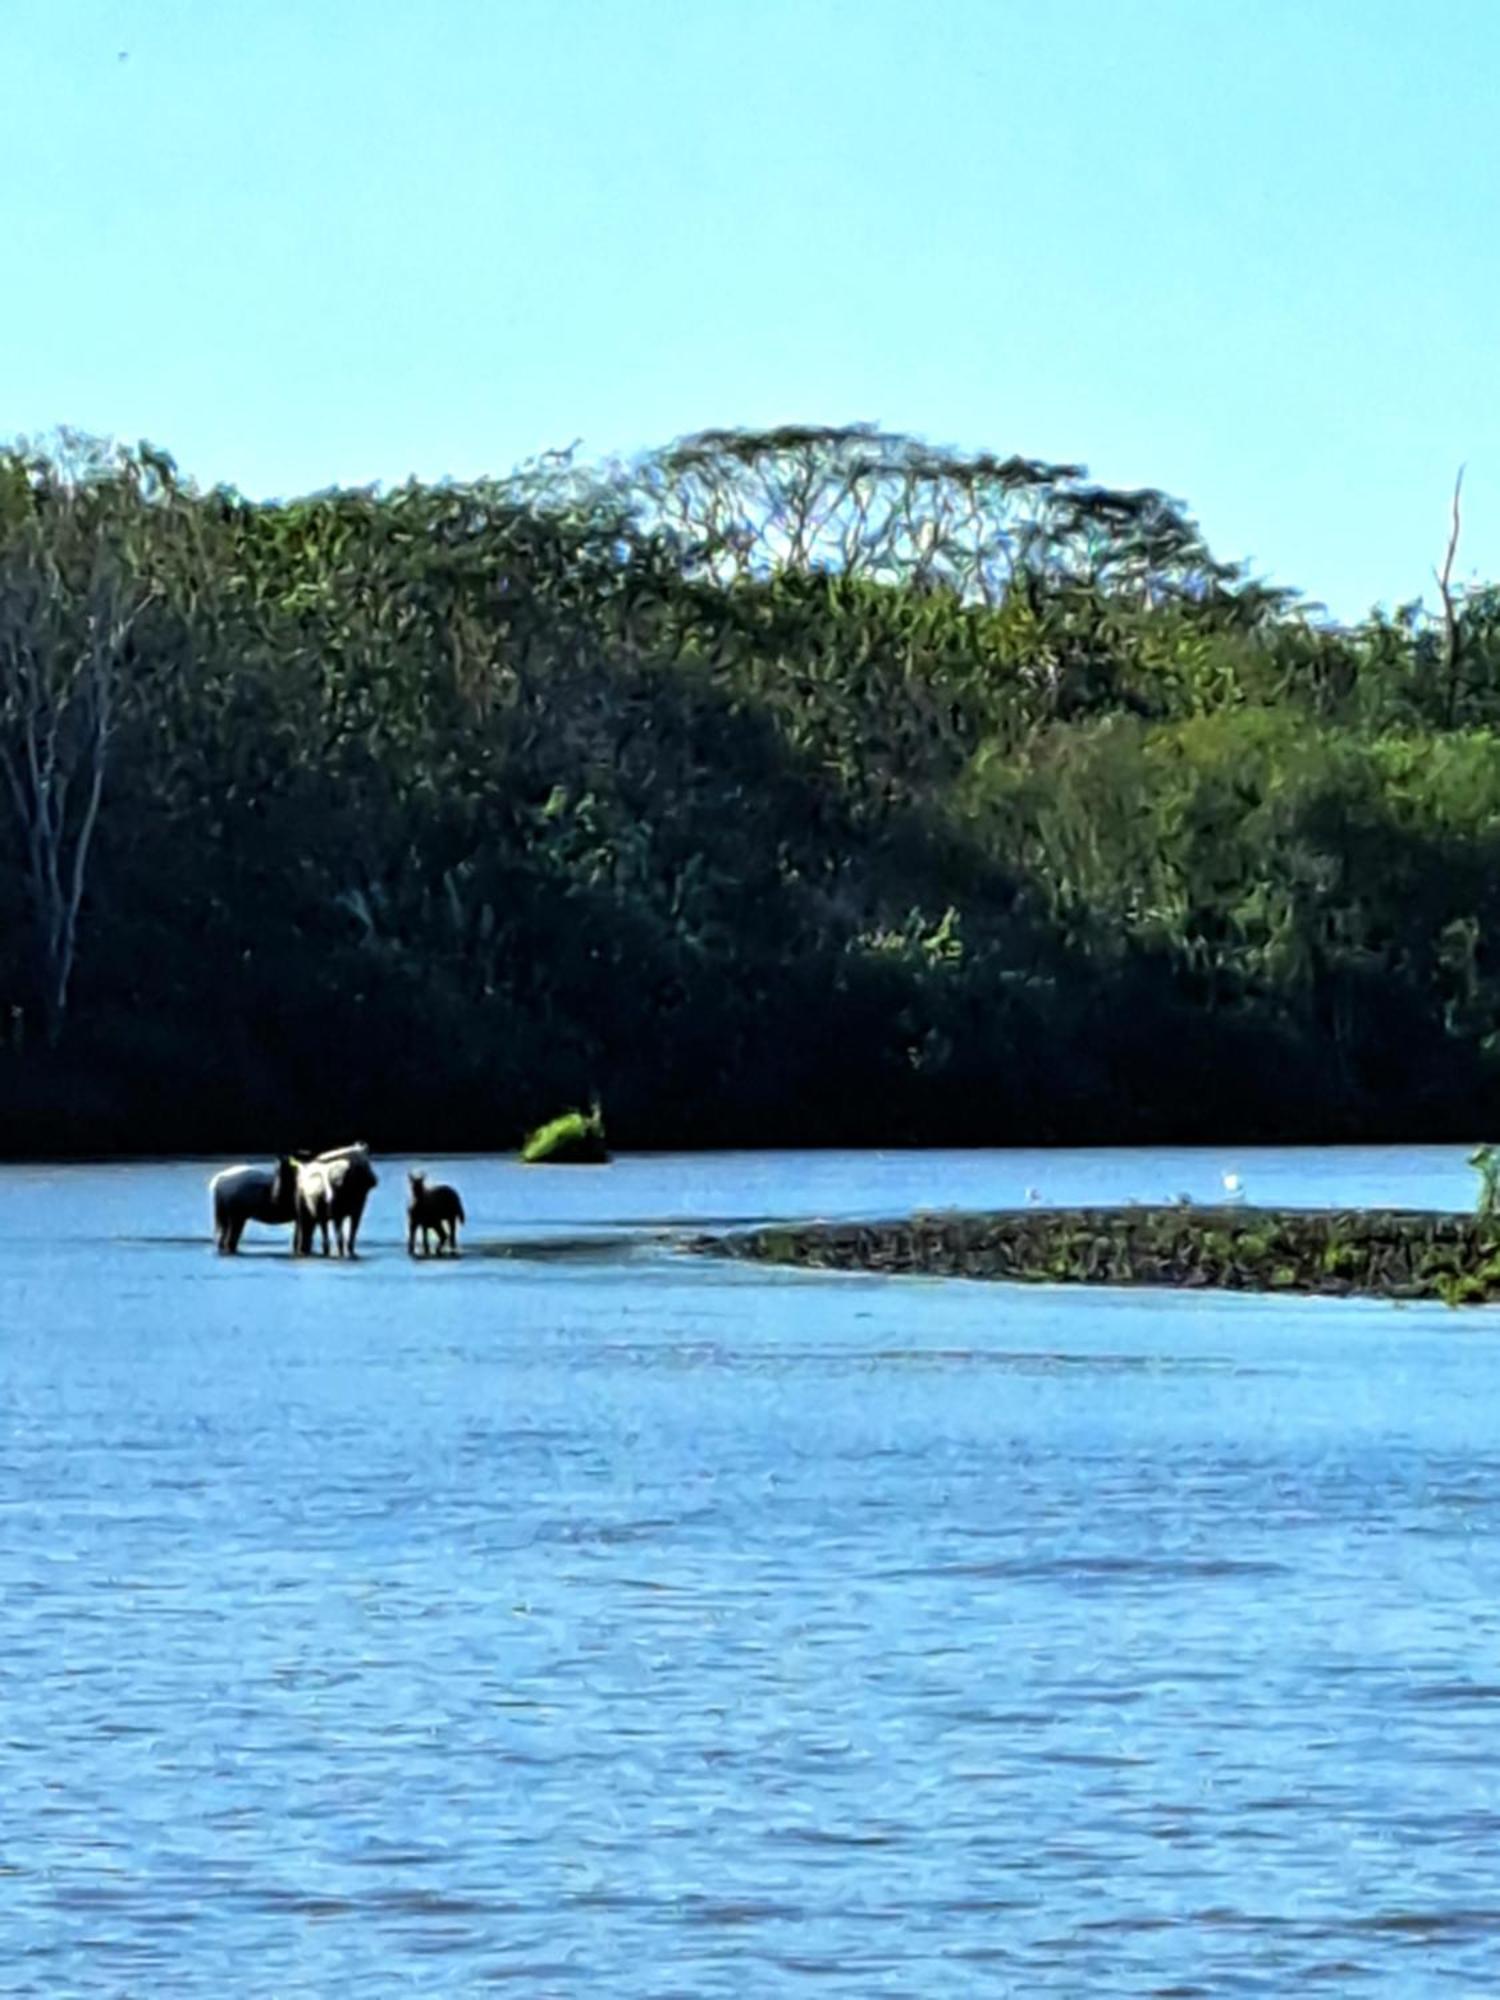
point(605, 1621)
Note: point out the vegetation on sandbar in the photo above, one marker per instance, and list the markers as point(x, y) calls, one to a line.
point(1393, 1253)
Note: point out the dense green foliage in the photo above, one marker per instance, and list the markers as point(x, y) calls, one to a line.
point(802, 788)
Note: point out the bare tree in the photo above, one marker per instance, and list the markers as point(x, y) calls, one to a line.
point(1452, 629)
point(71, 589)
point(882, 505)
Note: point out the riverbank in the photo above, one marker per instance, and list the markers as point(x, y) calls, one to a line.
point(1380, 1253)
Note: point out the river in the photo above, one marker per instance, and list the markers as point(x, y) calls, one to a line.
point(588, 1618)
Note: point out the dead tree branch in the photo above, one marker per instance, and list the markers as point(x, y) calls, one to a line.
point(1452, 629)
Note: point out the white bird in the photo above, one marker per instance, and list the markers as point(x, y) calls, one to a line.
point(1232, 1184)
point(1033, 1194)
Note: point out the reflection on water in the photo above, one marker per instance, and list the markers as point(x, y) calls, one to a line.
point(633, 1623)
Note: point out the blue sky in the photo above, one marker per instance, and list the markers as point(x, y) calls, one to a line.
point(1243, 250)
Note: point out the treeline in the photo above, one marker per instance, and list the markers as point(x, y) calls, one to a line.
point(796, 788)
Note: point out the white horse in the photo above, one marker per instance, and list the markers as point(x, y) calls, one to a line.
point(331, 1191)
point(251, 1194)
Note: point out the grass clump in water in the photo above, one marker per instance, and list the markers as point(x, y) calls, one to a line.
point(1485, 1161)
point(575, 1139)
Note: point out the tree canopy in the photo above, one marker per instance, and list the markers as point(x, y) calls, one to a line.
point(803, 786)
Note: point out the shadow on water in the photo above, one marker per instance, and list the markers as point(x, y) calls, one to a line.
point(592, 1247)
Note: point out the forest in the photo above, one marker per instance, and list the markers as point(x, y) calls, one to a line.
point(807, 787)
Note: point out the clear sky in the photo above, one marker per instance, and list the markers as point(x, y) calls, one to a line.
point(1244, 250)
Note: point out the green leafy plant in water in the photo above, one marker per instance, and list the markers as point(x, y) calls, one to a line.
point(1486, 1162)
point(574, 1139)
point(1342, 1260)
point(1461, 1288)
point(1470, 1288)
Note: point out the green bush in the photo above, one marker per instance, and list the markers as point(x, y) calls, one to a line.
point(574, 1139)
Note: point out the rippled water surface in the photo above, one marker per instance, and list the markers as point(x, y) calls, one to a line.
point(587, 1618)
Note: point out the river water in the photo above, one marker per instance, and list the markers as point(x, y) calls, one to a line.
point(589, 1618)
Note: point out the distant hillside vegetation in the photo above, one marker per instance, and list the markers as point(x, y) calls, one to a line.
point(796, 788)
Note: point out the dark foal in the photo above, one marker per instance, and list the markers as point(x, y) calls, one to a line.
point(434, 1211)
